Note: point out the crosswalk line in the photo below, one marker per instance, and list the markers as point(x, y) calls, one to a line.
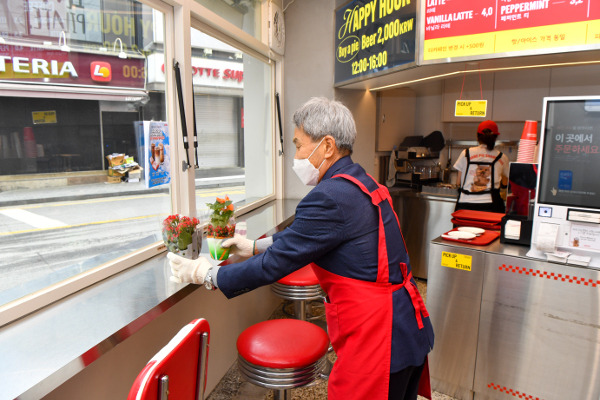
point(29, 218)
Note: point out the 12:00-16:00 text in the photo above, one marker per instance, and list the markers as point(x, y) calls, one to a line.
point(367, 63)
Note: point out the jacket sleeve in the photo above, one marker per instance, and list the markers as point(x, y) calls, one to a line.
point(317, 228)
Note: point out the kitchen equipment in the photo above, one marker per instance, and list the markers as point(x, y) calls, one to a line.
point(418, 152)
point(415, 162)
point(434, 142)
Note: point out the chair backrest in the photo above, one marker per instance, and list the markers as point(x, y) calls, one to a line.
point(178, 370)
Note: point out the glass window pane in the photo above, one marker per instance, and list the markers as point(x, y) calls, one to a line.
point(74, 92)
point(233, 101)
point(245, 14)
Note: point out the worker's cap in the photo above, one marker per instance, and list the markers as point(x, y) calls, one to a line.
point(491, 125)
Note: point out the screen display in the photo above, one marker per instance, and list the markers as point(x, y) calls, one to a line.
point(570, 165)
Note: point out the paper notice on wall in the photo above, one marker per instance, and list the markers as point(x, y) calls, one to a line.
point(157, 161)
point(585, 237)
point(546, 236)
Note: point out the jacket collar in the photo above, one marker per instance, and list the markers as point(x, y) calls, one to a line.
point(337, 166)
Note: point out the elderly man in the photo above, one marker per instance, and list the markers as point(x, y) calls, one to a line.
point(347, 230)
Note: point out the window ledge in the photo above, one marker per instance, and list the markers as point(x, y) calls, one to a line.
point(48, 347)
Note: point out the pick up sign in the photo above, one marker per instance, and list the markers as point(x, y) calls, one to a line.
point(457, 261)
point(470, 108)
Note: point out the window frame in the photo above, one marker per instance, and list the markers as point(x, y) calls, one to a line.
point(178, 17)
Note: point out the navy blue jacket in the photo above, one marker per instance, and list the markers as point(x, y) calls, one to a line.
point(336, 227)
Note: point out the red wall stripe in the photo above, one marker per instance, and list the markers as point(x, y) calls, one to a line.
point(550, 275)
point(512, 392)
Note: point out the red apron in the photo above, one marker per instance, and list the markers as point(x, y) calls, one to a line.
point(359, 321)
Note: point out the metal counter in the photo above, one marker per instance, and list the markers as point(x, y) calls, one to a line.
point(513, 326)
point(423, 217)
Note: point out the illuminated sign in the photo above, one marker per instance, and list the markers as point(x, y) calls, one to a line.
point(373, 36)
point(205, 72)
point(490, 28)
point(100, 71)
point(41, 65)
point(15, 66)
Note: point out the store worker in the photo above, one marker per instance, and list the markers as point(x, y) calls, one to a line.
point(482, 172)
point(347, 229)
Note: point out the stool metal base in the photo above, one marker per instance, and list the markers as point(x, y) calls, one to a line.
point(282, 379)
point(299, 295)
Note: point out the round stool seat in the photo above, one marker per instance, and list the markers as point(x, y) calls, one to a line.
point(305, 276)
point(283, 344)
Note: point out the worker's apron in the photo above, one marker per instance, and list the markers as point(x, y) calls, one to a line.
point(359, 321)
point(497, 204)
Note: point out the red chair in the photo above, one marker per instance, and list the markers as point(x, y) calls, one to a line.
point(178, 370)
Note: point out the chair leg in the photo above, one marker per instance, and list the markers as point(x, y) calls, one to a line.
point(282, 394)
point(300, 309)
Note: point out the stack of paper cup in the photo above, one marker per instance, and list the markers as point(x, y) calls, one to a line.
point(527, 143)
point(29, 142)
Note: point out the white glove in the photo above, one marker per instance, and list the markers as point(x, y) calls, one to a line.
point(241, 246)
point(186, 270)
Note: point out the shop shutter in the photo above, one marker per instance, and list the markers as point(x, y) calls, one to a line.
point(217, 127)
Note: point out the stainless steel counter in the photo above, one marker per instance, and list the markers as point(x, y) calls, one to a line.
point(423, 216)
point(44, 349)
point(512, 326)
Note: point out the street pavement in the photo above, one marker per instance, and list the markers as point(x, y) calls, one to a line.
point(204, 179)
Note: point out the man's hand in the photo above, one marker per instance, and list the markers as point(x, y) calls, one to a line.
point(240, 246)
point(186, 270)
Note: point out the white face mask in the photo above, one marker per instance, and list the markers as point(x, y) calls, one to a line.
point(308, 174)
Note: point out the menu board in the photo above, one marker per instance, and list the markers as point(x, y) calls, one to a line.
point(487, 28)
point(571, 154)
point(372, 36)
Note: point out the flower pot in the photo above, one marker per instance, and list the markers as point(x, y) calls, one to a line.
point(189, 250)
point(217, 252)
point(216, 235)
point(181, 236)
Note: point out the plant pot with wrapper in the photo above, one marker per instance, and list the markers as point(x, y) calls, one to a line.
point(182, 235)
point(220, 228)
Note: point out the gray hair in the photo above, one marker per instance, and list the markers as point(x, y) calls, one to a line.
point(320, 116)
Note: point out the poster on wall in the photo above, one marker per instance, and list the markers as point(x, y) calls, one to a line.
point(373, 36)
point(157, 161)
point(466, 29)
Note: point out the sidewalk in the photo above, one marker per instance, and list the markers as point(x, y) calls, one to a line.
point(204, 179)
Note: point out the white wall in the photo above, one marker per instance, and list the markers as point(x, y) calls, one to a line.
point(363, 105)
point(309, 72)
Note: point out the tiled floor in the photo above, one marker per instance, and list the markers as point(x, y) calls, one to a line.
point(233, 386)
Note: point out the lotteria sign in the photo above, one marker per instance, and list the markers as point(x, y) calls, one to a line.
point(54, 66)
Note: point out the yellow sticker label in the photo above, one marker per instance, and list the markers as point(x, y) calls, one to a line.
point(457, 261)
point(470, 108)
point(44, 117)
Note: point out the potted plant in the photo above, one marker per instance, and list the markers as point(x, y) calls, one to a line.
point(220, 227)
point(182, 236)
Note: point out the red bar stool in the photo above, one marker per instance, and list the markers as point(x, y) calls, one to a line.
point(300, 286)
point(282, 354)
